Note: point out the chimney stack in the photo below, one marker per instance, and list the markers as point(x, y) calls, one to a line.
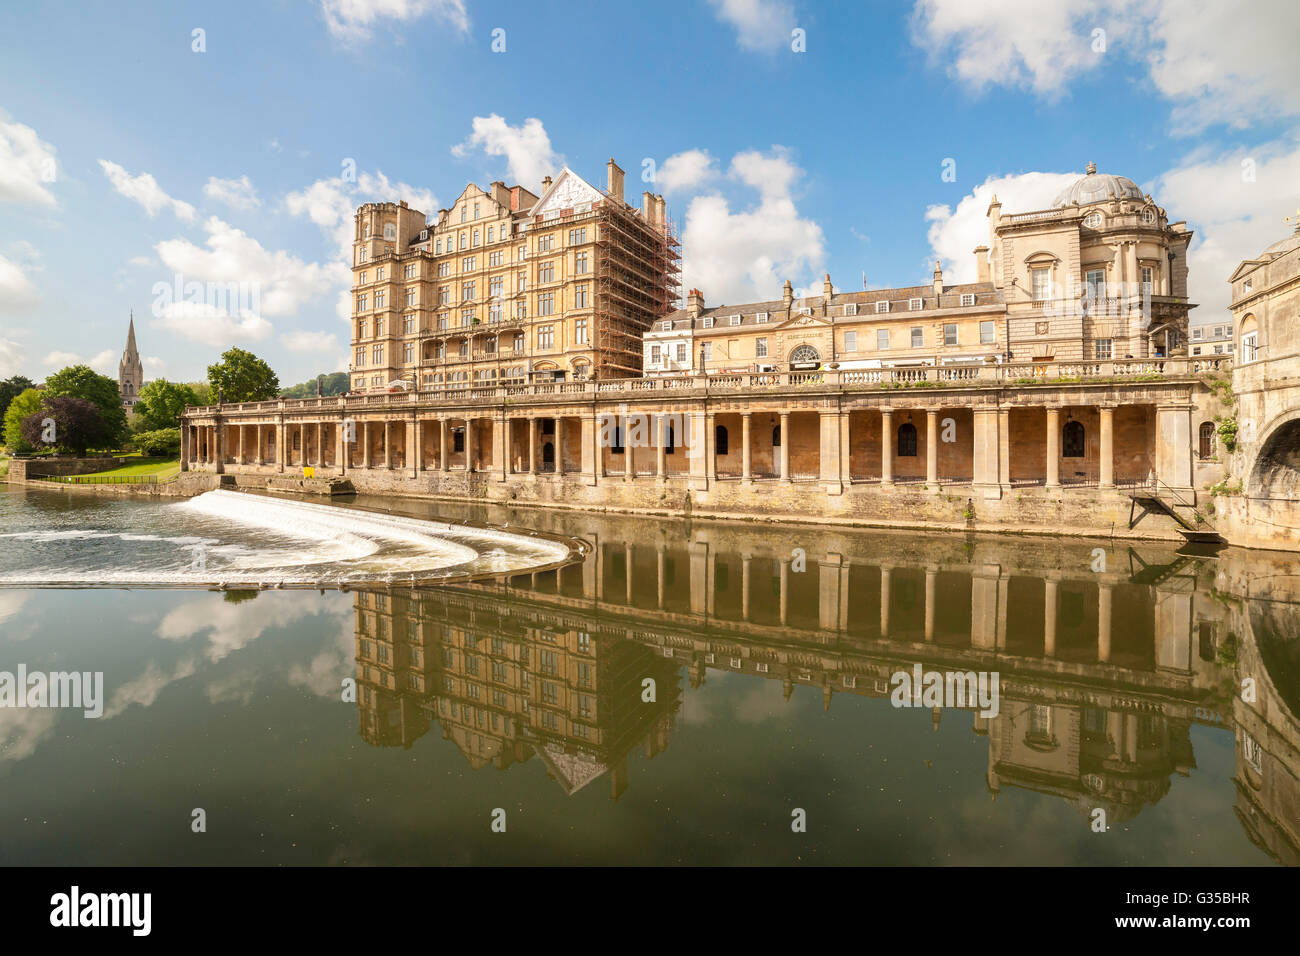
point(938, 279)
point(661, 213)
point(982, 263)
point(694, 303)
point(828, 290)
point(787, 295)
point(546, 184)
point(648, 207)
point(614, 179)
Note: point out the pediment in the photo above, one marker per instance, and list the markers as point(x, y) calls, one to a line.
point(568, 190)
point(799, 321)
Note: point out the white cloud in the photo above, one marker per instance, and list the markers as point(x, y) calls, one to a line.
point(954, 234)
point(748, 255)
point(144, 189)
point(236, 193)
point(144, 690)
point(13, 358)
point(686, 170)
point(1233, 219)
point(27, 166)
point(305, 341)
point(280, 281)
point(762, 25)
point(527, 148)
point(17, 293)
point(354, 20)
point(104, 362)
point(1214, 62)
point(212, 325)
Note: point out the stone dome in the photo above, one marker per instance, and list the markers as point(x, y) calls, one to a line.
point(1097, 187)
point(1283, 246)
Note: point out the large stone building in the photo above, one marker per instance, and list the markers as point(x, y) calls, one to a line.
point(1101, 275)
point(509, 287)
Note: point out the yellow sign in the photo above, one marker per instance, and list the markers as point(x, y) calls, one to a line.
point(309, 472)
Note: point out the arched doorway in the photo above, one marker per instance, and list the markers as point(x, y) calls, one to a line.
point(1205, 446)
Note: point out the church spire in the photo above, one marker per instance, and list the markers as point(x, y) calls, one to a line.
point(130, 371)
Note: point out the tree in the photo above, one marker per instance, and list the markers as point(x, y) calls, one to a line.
point(163, 443)
point(161, 403)
point(10, 389)
point(332, 383)
point(242, 377)
point(81, 381)
point(78, 425)
point(202, 392)
point(24, 404)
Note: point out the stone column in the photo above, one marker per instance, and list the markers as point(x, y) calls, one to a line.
point(846, 451)
point(559, 447)
point(785, 579)
point(829, 594)
point(661, 450)
point(784, 470)
point(886, 590)
point(746, 456)
point(701, 449)
point(711, 447)
point(1107, 414)
point(1004, 447)
point(985, 447)
point(660, 562)
point(388, 443)
point(886, 446)
point(1049, 618)
point(699, 552)
point(532, 445)
point(281, 453)
point(745, 560)
point(443, 430)
point(239, 444)
point(1103, 622)
point(185, 447)
point(342, 451)
point(415, 445)
point(932, 448)
point(597, 453)
point(1174, 446)
point(1053, 448)
point(829, 451)
point(365, 444)
point(931, 575)
point(469, 444)
point(629, 454)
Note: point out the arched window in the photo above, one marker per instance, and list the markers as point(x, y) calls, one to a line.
point(1072, 440)
point(907, 440)
point(720, 440)
point(1207, 435)
point(804, 353)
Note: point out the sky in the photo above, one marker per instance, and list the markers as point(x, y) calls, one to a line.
point(149, 149)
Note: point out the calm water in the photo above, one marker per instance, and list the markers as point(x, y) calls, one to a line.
point(674, 696)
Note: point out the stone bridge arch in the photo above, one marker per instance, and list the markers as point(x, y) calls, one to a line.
point(1275, 472)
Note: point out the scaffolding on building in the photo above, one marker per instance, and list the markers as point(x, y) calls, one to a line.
point(637, 280)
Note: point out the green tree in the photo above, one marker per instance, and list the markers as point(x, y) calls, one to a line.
point(161, 403)
point(163, 443)
point(202, 392)
point(332, 383)
point(10, 388)
point(27, 402)
point(78, 424)
point(81, 381)
point(242, 377)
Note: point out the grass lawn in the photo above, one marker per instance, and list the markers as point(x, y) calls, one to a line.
point(162, 467)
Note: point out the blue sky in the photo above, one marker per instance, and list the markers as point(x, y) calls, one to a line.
point(127, 157)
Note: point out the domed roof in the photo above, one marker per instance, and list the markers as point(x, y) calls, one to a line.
point(1097, 187)
point(1283, 246)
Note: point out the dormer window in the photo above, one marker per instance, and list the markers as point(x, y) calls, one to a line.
point(666, 326)
point(850, 308)
point(760, 317)
point(882, 307)
point(734, 320)
point(707, 322)
point(914, 305)
point(967, 299)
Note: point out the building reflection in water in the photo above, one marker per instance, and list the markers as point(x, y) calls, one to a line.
point(1103, 673)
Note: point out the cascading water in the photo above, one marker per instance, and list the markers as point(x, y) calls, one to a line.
point(237, 539)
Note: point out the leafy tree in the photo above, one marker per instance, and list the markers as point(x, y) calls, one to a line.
point(10, 389)
point(81, 381)
point(161, 403)
point(25, 403)
point(242, 377)
point(333, 383)
point(162, 443)
point(202, 392)
point(78, 424)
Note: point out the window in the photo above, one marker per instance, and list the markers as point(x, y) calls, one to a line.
point(379, 274)
point(444, 269)
point(918, 337)
point(494, 285)
point(408, 324)
point(1041, 283)
point(496, 312)
point(361, 358)
point(776, 436)
point(1148, 216)
point(379, 325)
point(1072, 440)
point(362, 280)
point(546, 272)
point(1196, 334)
point(1103, 349)
point(468, 263)
point(361, 303)
point(519, 342)
point(1148, 276)
point(546, 337)
point(494, 258)
point(655, 354)
point(760, 348)
point(882, 338)
point(546, 303)
point(1096, 284)
point(361, 329)
point(666, 326)
point(474, 241)
point(408, 352)
point(1250, 347)
point(577, 236)
point(988, 333)
point(760, 317)
point(967, 299)
point(390, 231)
point(706, 352)
point(444, 294)
point(681, 352)
point(950, 333)
point(733, 320)
point(437, 247)
point(442, 321)
point(580, 332)
point(545, 243)
point(580, 264)
point(720, 440)
point(462, 240)
point(850, 308)
point(466, 317)
point(410, 297)
point(1093, 220)
point(580, 295)
point(707, 322)
point(914, 304)
point(1207, 436)
point(464, 213)
point(907, 440)
point(377, 354)
point(467, 290)
point(379, 300)
point(850, 341)
point(882, 307)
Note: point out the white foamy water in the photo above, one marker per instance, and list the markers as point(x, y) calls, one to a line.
point(237, 539)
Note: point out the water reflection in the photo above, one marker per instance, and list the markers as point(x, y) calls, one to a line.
point(1108, 658)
